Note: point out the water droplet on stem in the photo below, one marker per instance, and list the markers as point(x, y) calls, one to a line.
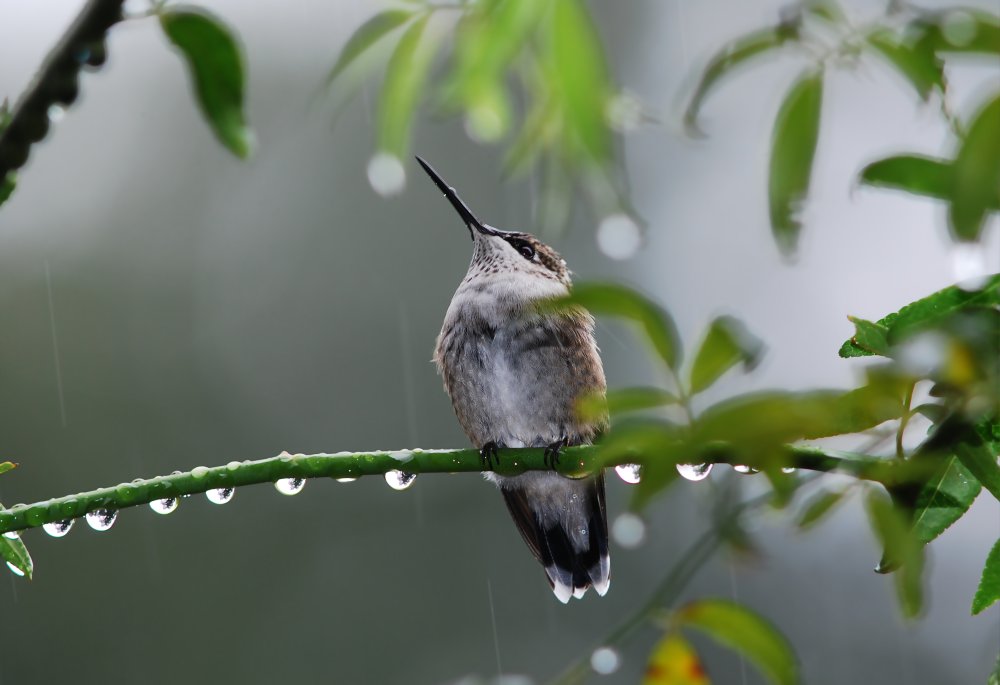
point(630, 473)
point(289, 486)
point(101, 519)
point(220, 495)
point(57, 529)
point(164, 506)
point(694, 472)
point(399, 480)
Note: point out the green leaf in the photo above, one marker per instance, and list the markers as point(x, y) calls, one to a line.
point(929, 310)
point(727, 343)
point(932, 412)
point(16, 555)
point(980, 460)
point(6, 466)
point(730, 56)
point(989, 585)
point(580, 76)
point(944, 499)
point(913, 174)
point(762, 422)
point(617, 300)
point(976, 182)
point(827, 10)
point(215, 61)
point(793, 146)
point(994, 677)
point(870, 336)
point(367, 35)
point(959, 30)
point(403, 87)
point(818, 507)
point(903, 552)
point(638, 399)
point(7, 186)
point(916, 62)
point(746, 632)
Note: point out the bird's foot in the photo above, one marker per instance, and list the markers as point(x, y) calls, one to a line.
point(489, 455)
point(552, 452)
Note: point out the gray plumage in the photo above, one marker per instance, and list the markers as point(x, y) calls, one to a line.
point(515, 376)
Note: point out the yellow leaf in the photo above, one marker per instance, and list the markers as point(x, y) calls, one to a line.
point(674, 662)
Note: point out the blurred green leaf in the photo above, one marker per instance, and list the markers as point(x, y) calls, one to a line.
point(913, 174)
point(762, 422)
point(870, 336)
point(903, 553)
point(979, 459)
point(746, 632)
point(215, 61)
point(6, 466)
point(674, 661)
point(793, 146)
point(367, 35)
point(727, 343)
point(7, 186)
point(638, 399)
point(989, 585)
point(580, 76)
point(825, 9)
point(403, 87)
point(916, 62)
point(958, 29)
point(655, 443)
point(732, 55)
point(994, 677)
point(5, 115)
point(617, 300)
point(928, 310)
point(976, 182)
point(932, 412)
point(16, 555)
point(944, 499)
point(817, 508)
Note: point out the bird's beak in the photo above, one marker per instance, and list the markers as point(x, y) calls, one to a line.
point(463, 210)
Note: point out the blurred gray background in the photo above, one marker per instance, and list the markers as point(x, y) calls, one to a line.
point(163, 305)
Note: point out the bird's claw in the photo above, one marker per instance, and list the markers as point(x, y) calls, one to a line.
point(489, 456)
point(552, 453)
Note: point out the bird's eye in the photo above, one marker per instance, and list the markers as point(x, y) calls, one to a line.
point(525, 248)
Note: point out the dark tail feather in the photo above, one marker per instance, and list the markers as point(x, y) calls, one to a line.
point(563, 522)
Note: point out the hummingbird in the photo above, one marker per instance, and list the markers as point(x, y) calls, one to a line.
point(515, 374)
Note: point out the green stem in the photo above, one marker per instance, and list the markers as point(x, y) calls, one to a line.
point(574, 461)
point(903, 420)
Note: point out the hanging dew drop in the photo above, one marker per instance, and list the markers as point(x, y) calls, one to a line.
point(628, 530)
point(399, 480)
point(346, 480)
point(11, 535)
point(788, 469)
point(630, 473)
point(694, 472)
point(605, 660)
point(164, 506)
point(289, 486)
point(101, 519)
point(57, 529)
point(220, 495)
point(743, 468)
point(15, 570)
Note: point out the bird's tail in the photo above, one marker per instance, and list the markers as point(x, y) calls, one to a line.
point(564, 523)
